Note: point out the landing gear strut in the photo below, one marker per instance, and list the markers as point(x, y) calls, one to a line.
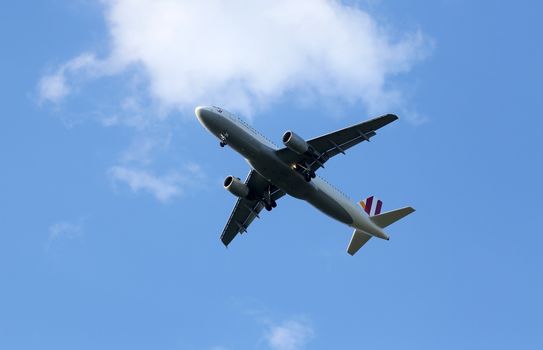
point(305, 170)
point(269, 202)
point(223, 137)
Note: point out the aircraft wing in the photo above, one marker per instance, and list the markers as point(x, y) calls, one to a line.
point(246, 210)
point(336, 142)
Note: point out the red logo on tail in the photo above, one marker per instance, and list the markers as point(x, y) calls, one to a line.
point(367, 205)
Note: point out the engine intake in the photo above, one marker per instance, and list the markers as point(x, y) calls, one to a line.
point(236, 187)
point(295, 142)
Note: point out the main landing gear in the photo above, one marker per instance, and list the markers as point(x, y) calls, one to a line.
point(309, 175)
point(269, 202)
point(271, 205)
point(305, 170)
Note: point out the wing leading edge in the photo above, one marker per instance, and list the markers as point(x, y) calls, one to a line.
point(246, 210)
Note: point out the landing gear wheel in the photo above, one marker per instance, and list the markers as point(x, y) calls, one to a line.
point(222, 144)
point(312, 174)
point(268, 207)
point(307, 177)
point(273, 204)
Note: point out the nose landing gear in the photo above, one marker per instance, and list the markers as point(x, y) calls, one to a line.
point(223, 137)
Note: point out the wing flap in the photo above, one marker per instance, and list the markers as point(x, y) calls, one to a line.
point(242, 216)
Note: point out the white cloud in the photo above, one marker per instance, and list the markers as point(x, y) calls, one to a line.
point(242, 55)
point(53, 87)
point(163, 187)
point(246, 54)
point(65, 230)
point(136, 163)
point(290, 335)
point(143, 148)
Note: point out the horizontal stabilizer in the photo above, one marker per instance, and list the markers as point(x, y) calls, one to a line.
point(390, 217)
point(357, 241)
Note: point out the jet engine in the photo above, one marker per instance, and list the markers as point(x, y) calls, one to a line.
point(236, 187)
point(295, 142)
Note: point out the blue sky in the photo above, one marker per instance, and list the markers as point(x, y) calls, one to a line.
point(111, 194)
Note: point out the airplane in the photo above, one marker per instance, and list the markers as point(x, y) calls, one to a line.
point(291, 170)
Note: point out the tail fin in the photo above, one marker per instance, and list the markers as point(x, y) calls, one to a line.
point(368, 207)
point(383, 220)
point(390, 217)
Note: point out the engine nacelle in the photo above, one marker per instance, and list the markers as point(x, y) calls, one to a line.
point(295, 142)
point(236, 187)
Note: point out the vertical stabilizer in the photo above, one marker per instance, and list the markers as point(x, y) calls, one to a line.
point(372, 205)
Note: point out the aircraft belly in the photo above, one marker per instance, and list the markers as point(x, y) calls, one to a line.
point(244, 143)
point(282, 175)
point(329, 206)
point(288, 180)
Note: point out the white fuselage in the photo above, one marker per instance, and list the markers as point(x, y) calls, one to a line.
point(261, 156)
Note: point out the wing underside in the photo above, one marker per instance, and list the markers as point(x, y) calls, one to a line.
point(327, 146)
point(246, 210)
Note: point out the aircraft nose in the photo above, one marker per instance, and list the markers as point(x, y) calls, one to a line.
point(199, 112)
point(210, 118)
point(204, 115)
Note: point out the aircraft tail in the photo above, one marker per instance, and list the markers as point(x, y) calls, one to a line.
point(358, 239)
point(368, 205)
point(382, 220)
point(388, 218)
